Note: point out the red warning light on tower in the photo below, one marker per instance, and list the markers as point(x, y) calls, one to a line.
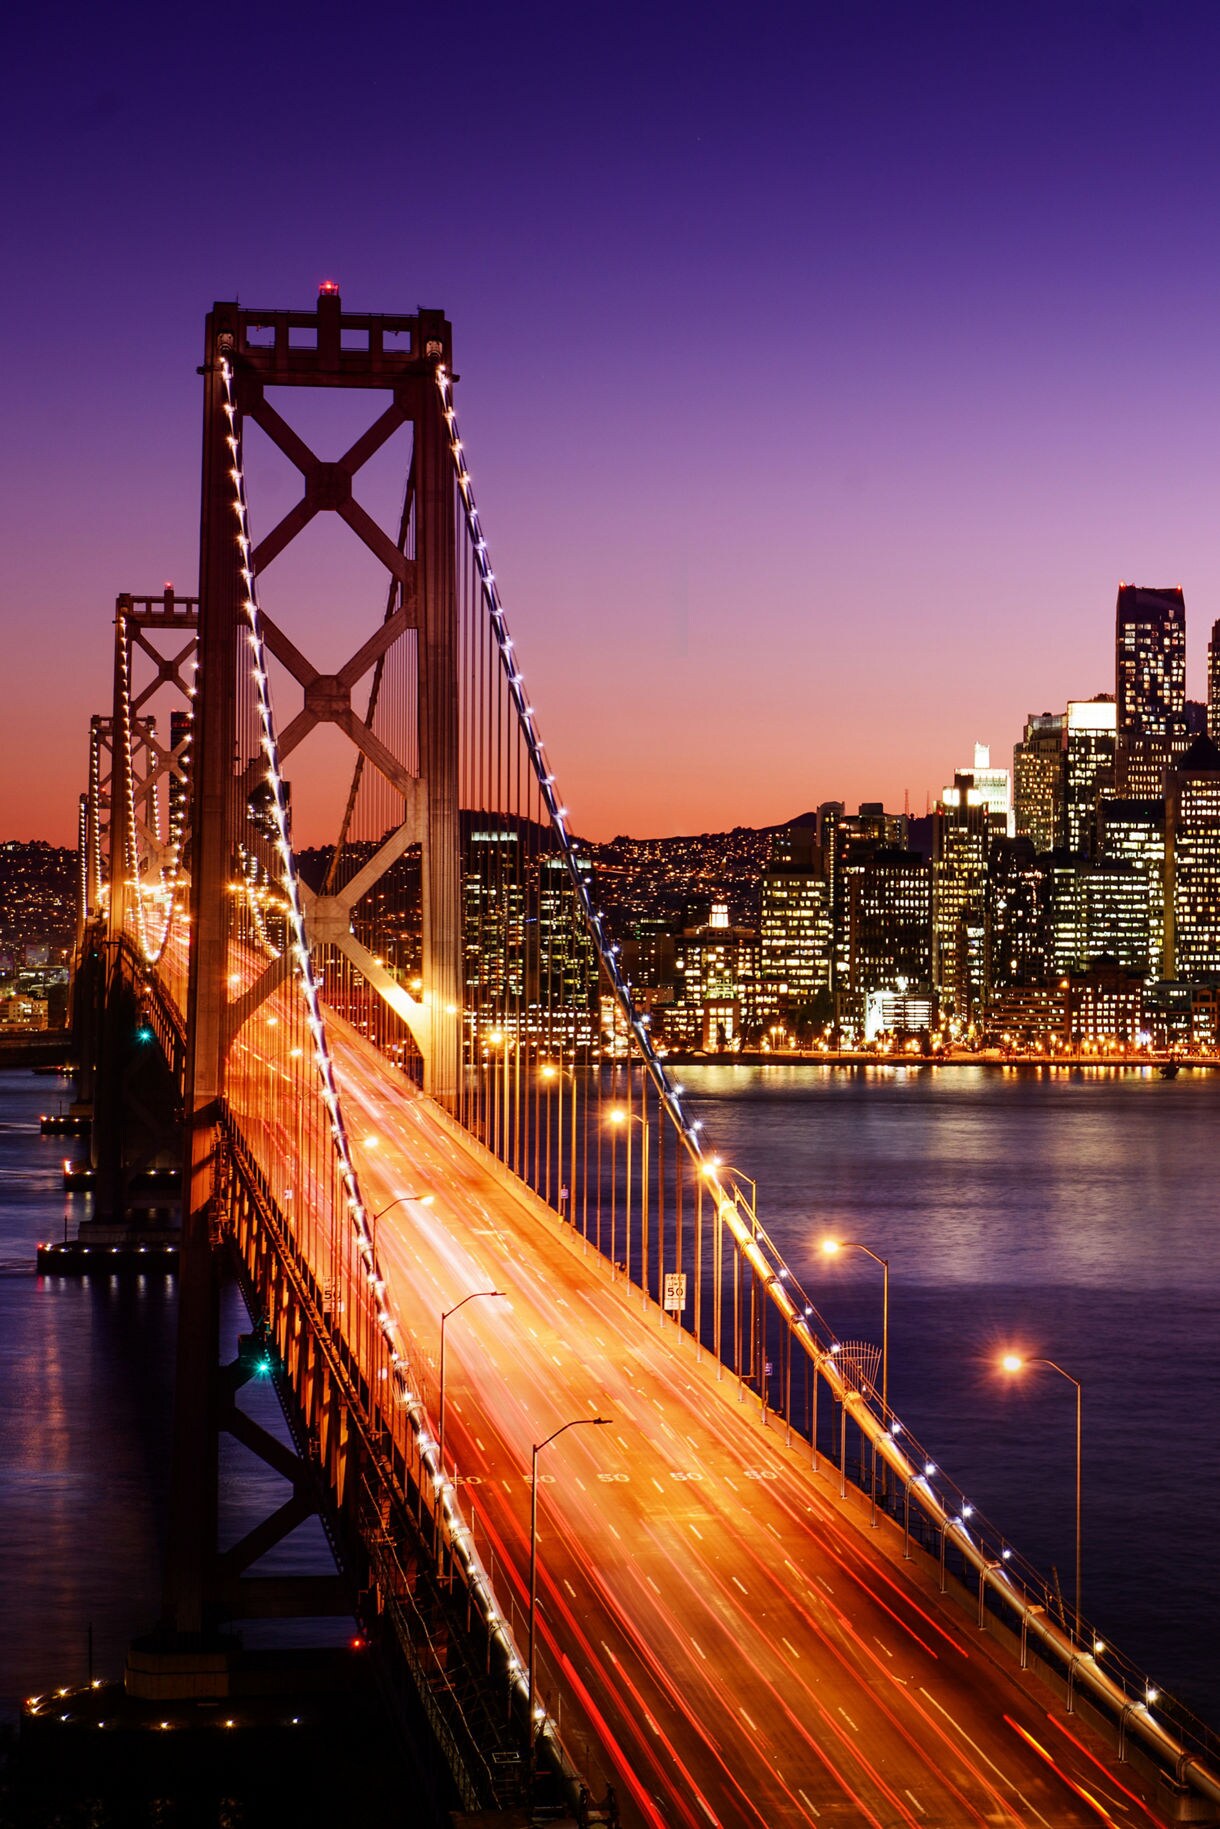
point(329, 288)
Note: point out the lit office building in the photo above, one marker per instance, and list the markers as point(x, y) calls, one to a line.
point(717, 981)
point(1037, 781)
point(889, 905)
point(564, 962)
point(1114, 913)
point(1192, 865)
point(994, 786)
point(1150, 660)
point(906, 1010)
point(1141, 763)
point(1090, 744)
point(1133, 832)
point(962, 830)
point(1097, 908)
point(1016, 928)
point(1105, 1006)
point(494, 922)
point(845, 843)
point(794, 928)
point(1213, 684)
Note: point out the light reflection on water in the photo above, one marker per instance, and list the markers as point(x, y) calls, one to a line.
point(1074, 1213)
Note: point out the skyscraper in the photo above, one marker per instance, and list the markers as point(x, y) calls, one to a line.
point(1088, 766)
point(1150, 660)
point(1192, 865)
point(1213, 684)
point(1134, 831)
point(961, 834)
point(1037, 781)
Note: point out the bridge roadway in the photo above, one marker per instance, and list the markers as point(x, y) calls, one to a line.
point(733, 1636)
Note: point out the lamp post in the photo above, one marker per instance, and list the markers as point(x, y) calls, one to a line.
point(619, 1115)
point(594, 1422)
point(474, 1296)
point(425, 1200)
point(831, 1247)
point(1015, 1362)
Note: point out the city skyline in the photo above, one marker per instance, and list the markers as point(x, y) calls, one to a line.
point(823, 383)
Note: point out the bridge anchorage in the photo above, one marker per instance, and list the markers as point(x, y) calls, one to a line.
point(412, 1070)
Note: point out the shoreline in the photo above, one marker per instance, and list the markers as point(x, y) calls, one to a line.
point(986, 1057)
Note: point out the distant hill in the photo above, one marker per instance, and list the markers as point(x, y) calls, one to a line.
point(37, 894)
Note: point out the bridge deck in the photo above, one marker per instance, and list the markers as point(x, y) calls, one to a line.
point(736, 1640)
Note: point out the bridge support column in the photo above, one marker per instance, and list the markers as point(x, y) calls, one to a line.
point(438, 722)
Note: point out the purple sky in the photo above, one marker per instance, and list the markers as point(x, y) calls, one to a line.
point(824, 368)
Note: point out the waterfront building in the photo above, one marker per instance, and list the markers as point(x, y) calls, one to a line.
point(1192, 865)
point(1150, 660)
point(1037, 781)
point(1105, 1004)
point(903, 1011)
point(1090, 745)
point(794, 930)
point(716, 991)
point(1029, 1016)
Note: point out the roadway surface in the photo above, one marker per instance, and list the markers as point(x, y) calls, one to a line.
point(720, 1636)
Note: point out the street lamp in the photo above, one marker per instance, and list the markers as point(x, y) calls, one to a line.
point(594, 1422)
point(620, 1116)
point(440, 1396)
point(425, 1200)
point(831, 1247)
point(713, 1169)
point(1015, 1362)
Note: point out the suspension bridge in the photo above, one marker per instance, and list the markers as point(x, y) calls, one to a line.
point(600, 1475)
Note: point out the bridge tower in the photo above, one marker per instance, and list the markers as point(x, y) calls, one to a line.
point(248, 353)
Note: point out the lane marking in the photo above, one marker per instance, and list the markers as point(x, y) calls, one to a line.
point(885, 1648)
point(808, 1805)
point(699, 1649)
point(571, 1590)
point(747, 1720)
point(851, 1724)
point(792, 1648)
point(739, 1584)
point(697, 1532)
point(916, 1802)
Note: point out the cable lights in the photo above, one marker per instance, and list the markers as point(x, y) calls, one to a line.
point(405, 1394)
